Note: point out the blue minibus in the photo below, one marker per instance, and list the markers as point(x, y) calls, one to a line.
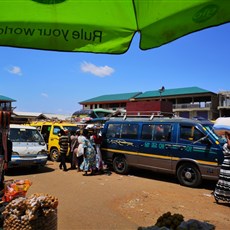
point(179, 146)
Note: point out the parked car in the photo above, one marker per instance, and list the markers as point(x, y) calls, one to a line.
point(178, 146)
point(29, 147)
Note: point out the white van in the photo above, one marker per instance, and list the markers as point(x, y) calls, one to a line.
point(29, 147)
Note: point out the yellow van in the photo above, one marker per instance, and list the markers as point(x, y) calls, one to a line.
point(50, 131)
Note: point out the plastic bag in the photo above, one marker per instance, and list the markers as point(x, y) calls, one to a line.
point(15, 188)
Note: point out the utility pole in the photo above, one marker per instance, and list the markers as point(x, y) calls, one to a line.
point(161, 91)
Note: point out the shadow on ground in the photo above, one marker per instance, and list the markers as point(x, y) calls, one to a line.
point(28, 170)
point(206, 184)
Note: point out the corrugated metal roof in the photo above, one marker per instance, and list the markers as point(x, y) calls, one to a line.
point(4, 98)
point(26, 114)
point(43, 115)
point(56, 116)
point(112, 97)
point(173, 92)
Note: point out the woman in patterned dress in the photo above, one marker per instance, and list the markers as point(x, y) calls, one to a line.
point(222, 190)
point(89, 154)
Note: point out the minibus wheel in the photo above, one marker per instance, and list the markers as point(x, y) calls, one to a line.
point(54, 155)
point(189, 175)
point(120, 165)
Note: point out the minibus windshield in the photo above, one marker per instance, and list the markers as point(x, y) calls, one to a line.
point(209, 128)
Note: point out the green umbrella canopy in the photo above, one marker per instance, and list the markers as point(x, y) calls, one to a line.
point(104, 26)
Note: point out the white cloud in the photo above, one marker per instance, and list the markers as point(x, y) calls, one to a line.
point(15, 70)
point(44, 94)
point(100, 71)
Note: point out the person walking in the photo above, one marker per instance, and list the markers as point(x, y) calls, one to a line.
point(80, 150)
point(96, 140)
point(73, 148)
point(89, 154)
point(64, 146)
point(222, 189)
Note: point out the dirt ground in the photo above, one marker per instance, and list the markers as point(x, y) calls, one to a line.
point(122, 202)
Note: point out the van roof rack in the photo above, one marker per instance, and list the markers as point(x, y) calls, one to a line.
point(52, 120)
point(147, 114)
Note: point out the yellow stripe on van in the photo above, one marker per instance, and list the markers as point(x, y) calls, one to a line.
point(207, 162)
point(119, 151)
point(158, 156)
point(154, 155)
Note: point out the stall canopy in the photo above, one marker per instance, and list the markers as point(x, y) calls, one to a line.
point(104, 26)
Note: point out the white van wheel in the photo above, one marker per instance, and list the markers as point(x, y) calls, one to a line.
point(189, 175)
point(120, 165)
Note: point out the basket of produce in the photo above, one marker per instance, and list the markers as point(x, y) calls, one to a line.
point(39, 211)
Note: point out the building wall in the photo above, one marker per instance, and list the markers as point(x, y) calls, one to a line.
point(209, 105)
point(112, 106)
point(148, 107)
point(224, 104)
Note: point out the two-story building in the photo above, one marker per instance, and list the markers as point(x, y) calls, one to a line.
point(187, 102)
point(224, 104)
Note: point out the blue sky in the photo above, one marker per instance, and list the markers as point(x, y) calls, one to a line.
point(55, 82)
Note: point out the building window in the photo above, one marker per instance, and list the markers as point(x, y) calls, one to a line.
point(203, 114)
point(184, 114)
point(6, 106)
point(114, 105)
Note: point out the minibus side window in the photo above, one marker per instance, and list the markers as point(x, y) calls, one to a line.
point(190, 133)
point(56, 130)
point(197, 135)
point(162, 132)
point(186, 133)
point(129, 131)
point(147, 132)
point(113, 131)
point(167, 132)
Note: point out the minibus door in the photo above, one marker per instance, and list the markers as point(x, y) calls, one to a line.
point(195, 145)
point(155, 147)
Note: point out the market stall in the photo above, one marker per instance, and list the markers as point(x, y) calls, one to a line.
point(39, 211)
